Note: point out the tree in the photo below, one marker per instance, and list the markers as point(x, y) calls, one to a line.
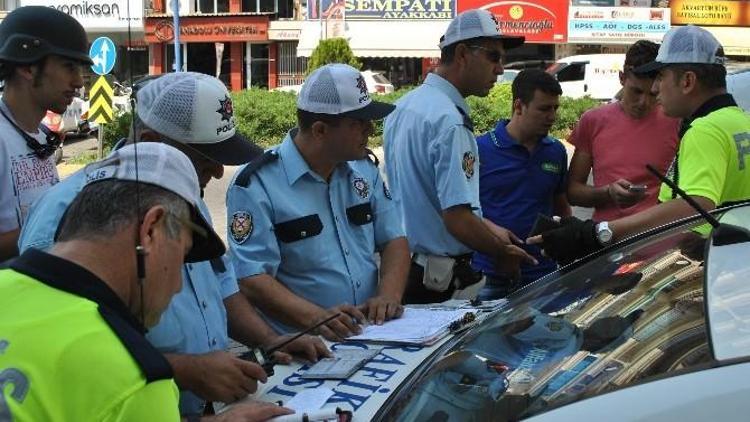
point(332, 50)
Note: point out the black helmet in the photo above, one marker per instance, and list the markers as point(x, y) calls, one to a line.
point(30, 33)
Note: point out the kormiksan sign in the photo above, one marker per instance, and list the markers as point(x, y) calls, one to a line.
point(388, 9)
point(98, 15)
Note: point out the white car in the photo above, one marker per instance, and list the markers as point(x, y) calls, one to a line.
point(656, 327)
point(595, 75)
point(377, 83)
point(738, 84)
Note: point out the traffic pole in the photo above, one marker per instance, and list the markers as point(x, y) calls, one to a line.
point(100, 136)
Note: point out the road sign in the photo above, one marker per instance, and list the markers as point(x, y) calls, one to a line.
point(103, 53)
point(100, 101)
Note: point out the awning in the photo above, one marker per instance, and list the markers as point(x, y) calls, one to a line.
point(381, 39)
point(734, 39)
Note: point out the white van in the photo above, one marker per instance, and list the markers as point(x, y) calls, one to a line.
point(738, 84)
point(595, 75)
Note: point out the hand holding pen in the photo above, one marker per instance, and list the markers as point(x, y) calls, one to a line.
point(347, 324)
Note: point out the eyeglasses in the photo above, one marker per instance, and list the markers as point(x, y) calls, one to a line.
point(493, 56)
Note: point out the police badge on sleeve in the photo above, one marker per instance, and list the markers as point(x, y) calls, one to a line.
point(242, 226)
point(467, 164)
point(361, 187)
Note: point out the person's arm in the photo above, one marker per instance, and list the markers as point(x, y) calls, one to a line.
point(277, 301)
point(394, 271)
point(580, 193)
point(560, 206)
point(247, 327)
point(9, 244)
point(216, 376)
point(656, 216)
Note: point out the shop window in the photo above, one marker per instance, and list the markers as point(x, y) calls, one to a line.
point(260, 6)
point(212, 6)
point(257, 65)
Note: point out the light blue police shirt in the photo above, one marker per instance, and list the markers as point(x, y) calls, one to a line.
point(315, 237)
point(195, 321)
point(432, 163)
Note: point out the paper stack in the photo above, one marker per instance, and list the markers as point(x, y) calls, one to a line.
point(416, 326)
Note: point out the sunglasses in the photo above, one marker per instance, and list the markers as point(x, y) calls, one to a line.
point(200, 231)
point(41, 151)
point(494, 56)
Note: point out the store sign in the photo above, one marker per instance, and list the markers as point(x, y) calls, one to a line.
point(208, 29)
point(711, 13)
point(545, 21)
point(98, 15)
point(617, 24)
point(387, 9)
point(283, 34)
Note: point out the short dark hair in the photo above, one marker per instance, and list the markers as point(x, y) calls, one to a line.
point(104, 208)
point(531, 80)
point(638, 54)
point(448, 53)
point(306, 119)
point(8, 69)
point(710, 76)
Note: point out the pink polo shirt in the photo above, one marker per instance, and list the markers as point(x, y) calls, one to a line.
point(621, 146)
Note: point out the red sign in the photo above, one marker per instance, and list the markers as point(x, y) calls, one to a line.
point(541, 21)
point(208, 29)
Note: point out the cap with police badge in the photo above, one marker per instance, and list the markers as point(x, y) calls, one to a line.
point(688, 44)
point(339, 89)
point(166, 167)
point(477, 23)
point(195, 109)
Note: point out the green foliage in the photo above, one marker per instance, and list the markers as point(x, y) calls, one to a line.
point(116, 130)
point(266, 116)
point(332, 50)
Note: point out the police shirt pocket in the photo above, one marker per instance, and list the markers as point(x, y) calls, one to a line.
point(360, 215)
point(299, 228)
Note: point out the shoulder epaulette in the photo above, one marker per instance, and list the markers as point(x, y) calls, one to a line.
point(372, 157)
point(467, 119)
point(243, 179)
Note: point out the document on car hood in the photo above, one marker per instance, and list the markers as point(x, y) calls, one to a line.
point(416, 326)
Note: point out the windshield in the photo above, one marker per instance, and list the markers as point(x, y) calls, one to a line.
point(631, 314)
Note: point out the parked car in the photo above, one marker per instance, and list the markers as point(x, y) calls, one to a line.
point(595, 75)
point(54, 122)
point(654, 327)
point(376, 82)
point(507, 76)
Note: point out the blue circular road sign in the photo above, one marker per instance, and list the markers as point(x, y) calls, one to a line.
point(103, 52)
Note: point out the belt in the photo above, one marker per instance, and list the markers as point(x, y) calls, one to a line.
point(421, 259)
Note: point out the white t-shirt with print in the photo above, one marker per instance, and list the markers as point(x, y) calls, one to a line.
point(24, 176)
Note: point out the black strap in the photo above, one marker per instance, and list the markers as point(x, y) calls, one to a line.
point(372, 157)
point(243, 179)
point(41, 151)
point(467, 119)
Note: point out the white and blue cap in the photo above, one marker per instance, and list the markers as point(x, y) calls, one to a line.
point(340, 90)
point(161, 165)
point(688, 44)
point(477, 23)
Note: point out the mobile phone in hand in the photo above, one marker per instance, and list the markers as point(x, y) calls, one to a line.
point(542, 224)
point(637, 188)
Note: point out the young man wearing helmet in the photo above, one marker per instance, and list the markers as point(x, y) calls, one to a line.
point(42, 54)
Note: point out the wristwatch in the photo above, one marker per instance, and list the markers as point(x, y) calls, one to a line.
point(603, 233)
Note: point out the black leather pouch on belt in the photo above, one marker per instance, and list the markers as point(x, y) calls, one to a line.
point(463, 274)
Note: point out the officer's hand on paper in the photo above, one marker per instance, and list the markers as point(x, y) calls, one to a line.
point(574, 239)
point(251, 412)
point(348, 324)
point(382, 308)
point(621, 194)
point(307, 347)
point(220, 376)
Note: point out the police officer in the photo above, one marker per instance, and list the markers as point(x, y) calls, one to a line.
point(42, 52)
point(192, 112)
point(72, 345)
point(712, 161)
point(431, 160)
point(306, 219)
